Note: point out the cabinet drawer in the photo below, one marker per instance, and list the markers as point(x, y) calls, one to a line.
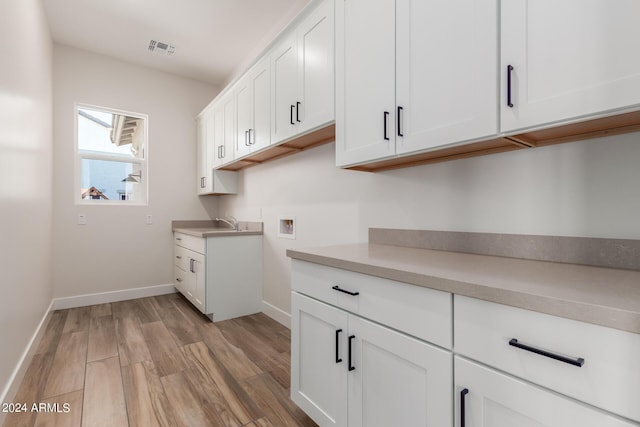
point(196, 244)
point(609, 378)
point(414, 310)
point(181, 257)
point(179, 278)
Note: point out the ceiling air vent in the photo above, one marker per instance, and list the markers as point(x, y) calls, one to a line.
point(161, 48)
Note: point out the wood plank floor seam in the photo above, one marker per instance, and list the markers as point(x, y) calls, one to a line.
point(157, 361)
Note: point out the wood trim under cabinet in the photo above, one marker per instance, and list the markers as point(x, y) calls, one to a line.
point(605, 126)
point(309, 140)
point(600, 127)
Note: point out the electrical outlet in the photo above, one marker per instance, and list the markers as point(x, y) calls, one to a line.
point(82, 219)
point(149, 219)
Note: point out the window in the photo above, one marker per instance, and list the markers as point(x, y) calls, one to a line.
point(111, 156)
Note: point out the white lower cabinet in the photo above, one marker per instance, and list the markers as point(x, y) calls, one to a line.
point(191, 282)
point(318, 365)
point(394, 379)
point(189, 272)
point(349, 371)
point(221, 276)
point(488, 398)
point(363, 355)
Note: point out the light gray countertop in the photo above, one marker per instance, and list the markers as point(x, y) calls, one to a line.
point(209, 228)
point(603, 296)
point(215, 232)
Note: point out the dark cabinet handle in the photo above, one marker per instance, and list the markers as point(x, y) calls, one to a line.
point(337, 288)
point(178, 256)
point(351, 367)
point(223, 151)
point(291, 107)
point(246, 140)
point(463, 393)
point(251, 143)
point(578, 361)
point(298, 112)
point(509, 70)
point(386, 117)
point(399, 125)
point(338, 358)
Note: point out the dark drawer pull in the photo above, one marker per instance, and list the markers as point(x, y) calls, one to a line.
point(338, 358)
point(386, 119)
point(463, 393)
point(571, 361)
point(337, 288)
point(509, 71)
point(351, 367)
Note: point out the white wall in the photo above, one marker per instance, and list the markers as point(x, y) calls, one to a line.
point(25, 179)
point(116, 250)
point(587, 188)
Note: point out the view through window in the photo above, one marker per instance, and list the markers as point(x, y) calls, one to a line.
point(111, 156)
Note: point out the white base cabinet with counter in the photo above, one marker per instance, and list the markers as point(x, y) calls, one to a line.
point(367, 351)
point(221, 276)
point(590, 363)
point(348, 370)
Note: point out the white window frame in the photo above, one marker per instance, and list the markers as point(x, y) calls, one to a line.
point(93, 155)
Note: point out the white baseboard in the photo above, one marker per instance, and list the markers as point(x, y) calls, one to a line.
point(113, 296)
point(17, 375)
point(277, 314)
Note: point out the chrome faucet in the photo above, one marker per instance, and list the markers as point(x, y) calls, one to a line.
point(231, 221)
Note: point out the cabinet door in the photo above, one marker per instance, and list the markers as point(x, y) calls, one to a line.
point(244, 119)
point(198, 282)
point(446, 64)
point(498, 400)
point(228, 107)
point(260, 131)
point(316, 68)
point(397, 380)
point(318, 360)
point(284, 62)
point(570, 58)
point(365, 80)
point(217, 142)
point(202, 155)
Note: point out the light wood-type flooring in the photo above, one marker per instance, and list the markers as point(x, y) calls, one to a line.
point(158, 362)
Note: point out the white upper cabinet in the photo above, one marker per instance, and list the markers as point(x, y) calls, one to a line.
point(223, 131)
point(570, 59)
point(446, 67)
point(303, 76)
point(284, 63)
point(204, 130)
point(413, 75)
point(365, 80)
point(316, 70)
point(253, 102)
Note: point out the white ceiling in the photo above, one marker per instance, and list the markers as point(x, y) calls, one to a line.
point(213, 39)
